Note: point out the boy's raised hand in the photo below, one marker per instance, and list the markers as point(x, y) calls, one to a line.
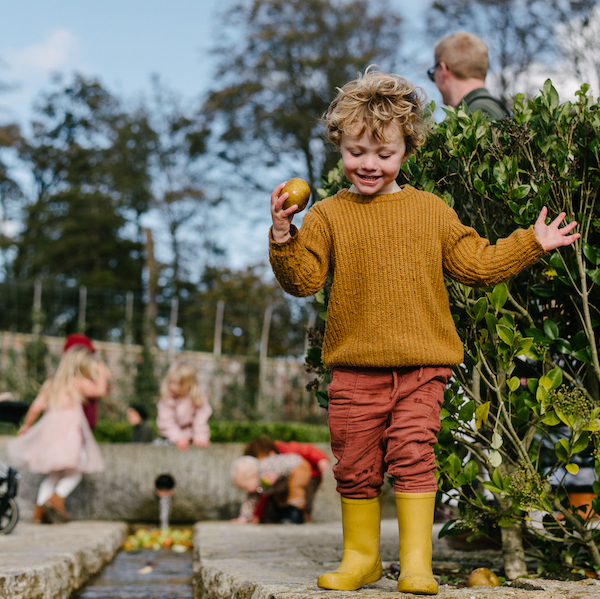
point(550, 236)
point(282, 219)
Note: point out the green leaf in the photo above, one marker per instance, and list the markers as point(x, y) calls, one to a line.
point(505, 334)
point(323, 399)
point(491, 321)
point(581, 443)
point(466, 411)
point(498, 479)
point(496, 441)
point(562, 450)
point(514, 383)
point(491, 487)
point(480, 309)
point(498, 296)
point(550, 329)
point(542, 395)
point(572, 468)
point(590, 253)
point(495, 458)
point(479, 185)
point(454, 465)
point(525, 345)
point(551, 419)
point(471, 471)
point(518, 193)
point(556, 378)
point(564, 418)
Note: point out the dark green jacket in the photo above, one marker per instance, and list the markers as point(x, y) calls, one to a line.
point(481, 99)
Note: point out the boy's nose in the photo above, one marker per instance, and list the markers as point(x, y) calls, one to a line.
point(369, 163)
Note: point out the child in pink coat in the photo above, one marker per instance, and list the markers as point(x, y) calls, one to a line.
point(183, 410)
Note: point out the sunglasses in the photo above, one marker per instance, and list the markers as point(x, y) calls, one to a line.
point(431, 71)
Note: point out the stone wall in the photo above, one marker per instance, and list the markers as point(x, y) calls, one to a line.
point(283, 384)
point(125, 490)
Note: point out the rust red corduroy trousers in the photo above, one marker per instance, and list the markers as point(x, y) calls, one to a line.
point(385, 419)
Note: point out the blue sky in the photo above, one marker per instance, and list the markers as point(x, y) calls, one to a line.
point(123, 43)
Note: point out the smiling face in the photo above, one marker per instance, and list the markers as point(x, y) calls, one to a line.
point(372, 165)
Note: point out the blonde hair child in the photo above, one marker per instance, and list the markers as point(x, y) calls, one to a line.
point(183, 409)
point(61, 443)
point(390, 337)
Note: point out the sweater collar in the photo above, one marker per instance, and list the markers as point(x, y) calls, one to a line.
point(358, 198)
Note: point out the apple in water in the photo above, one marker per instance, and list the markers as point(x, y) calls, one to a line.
point(299, 191)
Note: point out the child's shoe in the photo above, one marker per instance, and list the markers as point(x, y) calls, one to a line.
point(41, 515)
point(56, 506)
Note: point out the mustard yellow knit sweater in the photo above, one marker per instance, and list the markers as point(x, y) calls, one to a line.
point(388, 254)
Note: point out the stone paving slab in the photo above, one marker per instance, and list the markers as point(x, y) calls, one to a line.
point(51, 561)
point(242, 561)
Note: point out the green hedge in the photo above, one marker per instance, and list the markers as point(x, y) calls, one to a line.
point(108, 431)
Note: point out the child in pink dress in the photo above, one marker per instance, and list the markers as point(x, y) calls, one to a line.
point(61, 444)
point(183, 410)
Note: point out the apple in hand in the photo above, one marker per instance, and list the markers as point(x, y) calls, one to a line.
point(299, 191)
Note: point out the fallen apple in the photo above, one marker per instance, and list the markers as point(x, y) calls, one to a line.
point(299, 191)
point(483, 577)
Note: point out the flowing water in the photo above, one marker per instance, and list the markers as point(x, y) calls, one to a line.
point(143, 574)
point(165, 509)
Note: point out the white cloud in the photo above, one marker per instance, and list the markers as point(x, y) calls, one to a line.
point(50, 54)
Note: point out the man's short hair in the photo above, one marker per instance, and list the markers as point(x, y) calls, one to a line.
point(464, 53)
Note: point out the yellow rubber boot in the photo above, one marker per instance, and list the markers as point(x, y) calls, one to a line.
point(361, 562)
point(415, 521)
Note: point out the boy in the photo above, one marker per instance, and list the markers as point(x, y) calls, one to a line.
point(263, 447)
point(284, 477)
point(164, 489)
point(390, 339)
point(137, 417)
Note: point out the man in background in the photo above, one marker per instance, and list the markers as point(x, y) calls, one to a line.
point(461, 64)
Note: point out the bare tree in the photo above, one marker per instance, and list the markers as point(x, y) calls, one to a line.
point(279, 71)
point(520, 34)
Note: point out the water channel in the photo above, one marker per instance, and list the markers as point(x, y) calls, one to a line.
point(142, 574)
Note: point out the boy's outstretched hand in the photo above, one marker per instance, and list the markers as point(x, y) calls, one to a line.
point(282, 219)
point(550, 236)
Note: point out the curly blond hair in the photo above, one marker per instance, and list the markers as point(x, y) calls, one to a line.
point(373, 101)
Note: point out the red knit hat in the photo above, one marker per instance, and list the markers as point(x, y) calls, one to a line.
point(78, 339)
